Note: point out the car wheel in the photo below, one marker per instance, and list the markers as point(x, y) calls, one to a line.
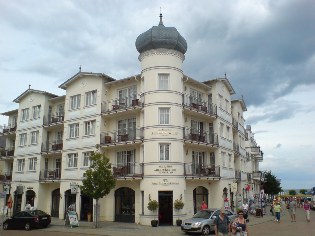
point(27, 226)
point(205, 230)
point(5, 226)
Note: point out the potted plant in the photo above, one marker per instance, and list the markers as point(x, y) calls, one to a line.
point(178, 205)
point(153, 205)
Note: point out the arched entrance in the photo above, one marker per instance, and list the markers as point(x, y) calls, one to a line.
point(70, 199)
point(125, 205)
point(86, 207)
point(55, 200)
point(17, 202)
point(29, 197)
point(200, 194)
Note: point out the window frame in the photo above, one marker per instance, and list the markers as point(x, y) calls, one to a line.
point(164, 115)
point(36, 112)
point(90, 98)
point(89, 127)
point(72, 160)
point(24, 114)
point(74, 130)
point(163, 81)
point(20, 165)
point(86, 161)
point(75, 102)
point(34, 137)
point(32, 162)
point(164, 152)
point(23, 139)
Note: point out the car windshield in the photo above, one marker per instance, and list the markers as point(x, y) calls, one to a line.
point(203, 214)
point(37, 212)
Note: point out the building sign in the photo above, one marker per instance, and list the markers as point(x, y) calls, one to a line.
point(165, 182)
point(165, 169)
point(165, 132)
point(74, 188)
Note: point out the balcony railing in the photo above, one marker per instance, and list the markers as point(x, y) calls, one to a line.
point(200, 136)
point(53, 120)
point(6, 176)
point(55, 146)
point(119, 136)
point(9, 152)
point(121, 103)
point(9, 128)
point(199, 105)
point(50, 174)
point(201, 170)
point(128, 170)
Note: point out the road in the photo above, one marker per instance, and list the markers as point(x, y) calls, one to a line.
point(258, 228)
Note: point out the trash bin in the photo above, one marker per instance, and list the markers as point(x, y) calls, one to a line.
point(259, 212)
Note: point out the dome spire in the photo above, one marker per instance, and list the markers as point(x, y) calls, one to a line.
point(161, 16)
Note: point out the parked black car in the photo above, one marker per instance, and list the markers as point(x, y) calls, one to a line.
point(27, 220)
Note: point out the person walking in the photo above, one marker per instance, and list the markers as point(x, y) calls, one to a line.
point(239, 226)
point(292, 209)
point(277, 209)
point(221, 224)
point(203, 206)
point(307, 208)
point(245, 209)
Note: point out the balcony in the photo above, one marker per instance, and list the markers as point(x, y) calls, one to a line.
point(50, 174)
point(6, 177)
point(129, 170)
point(193, 170)
point(197, 136)
point(120, 105)
point(121, 137)
point(236, 148)
point(196, 105)
point(9, 152)
point(9, 129)
point(52, 147)
point(54, 120)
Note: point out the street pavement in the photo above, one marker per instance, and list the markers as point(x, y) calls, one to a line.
point(258, 226)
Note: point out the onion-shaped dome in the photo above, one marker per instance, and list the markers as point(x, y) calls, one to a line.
point(161, 37)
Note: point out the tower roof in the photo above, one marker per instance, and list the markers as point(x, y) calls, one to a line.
point(161, 37)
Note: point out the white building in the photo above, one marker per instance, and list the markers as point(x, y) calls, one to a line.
point(167, 136)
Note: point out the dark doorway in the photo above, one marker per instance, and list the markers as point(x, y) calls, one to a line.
point(55, 200)
point(30, 195)
point(165, 208)
point(70, 199)
point(17, 203)
point(200, 194)
point(86, 207)
point(125, 205)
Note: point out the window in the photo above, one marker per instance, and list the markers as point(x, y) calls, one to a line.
point(221, 129)
point(164, 152)
point(126, 159)
point(36, 112)
point(74, 130)
point(230, 161)
point(163, 81)
point(223, 159)
point(89, 127)
point(164, 115)
point(75, 102)
point(25, 114)
point(227, 105)
point(32, 163)
point(195, 97)
point(90, 98)
point(72, 160)
point(228, 132)
point(23, 139)
point(126, 95)
point(220, 101)
point(21, 163)
point(86, 159)
point(127, 127)
point(34, 137)
point(59, 136)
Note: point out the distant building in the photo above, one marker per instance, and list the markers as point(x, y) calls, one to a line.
point(168, 137)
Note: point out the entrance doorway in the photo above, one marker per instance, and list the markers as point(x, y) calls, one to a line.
point(125, 205)
point(165, 208)
point(30, 195)
point(55, 200)
point(86, 207)
point(70, 199)
point(200, 194)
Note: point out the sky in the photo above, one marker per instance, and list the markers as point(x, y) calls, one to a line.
point(265, 47)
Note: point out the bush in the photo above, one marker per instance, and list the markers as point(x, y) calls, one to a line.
point(153, 205)
point(178, 204)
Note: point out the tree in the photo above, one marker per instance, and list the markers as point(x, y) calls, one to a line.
point(292, 192)
point(98, 180)
point(303, 191)
point(271, 185)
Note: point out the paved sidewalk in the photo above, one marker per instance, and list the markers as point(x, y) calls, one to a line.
point(117, 228)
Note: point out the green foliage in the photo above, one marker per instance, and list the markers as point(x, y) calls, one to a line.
point(292, 192)
point(178, 204)
point(303, 191)
point(99, 178)
point(153, 205)
point(271, 185)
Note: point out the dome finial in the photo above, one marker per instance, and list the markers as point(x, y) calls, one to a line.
point(161, 16)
